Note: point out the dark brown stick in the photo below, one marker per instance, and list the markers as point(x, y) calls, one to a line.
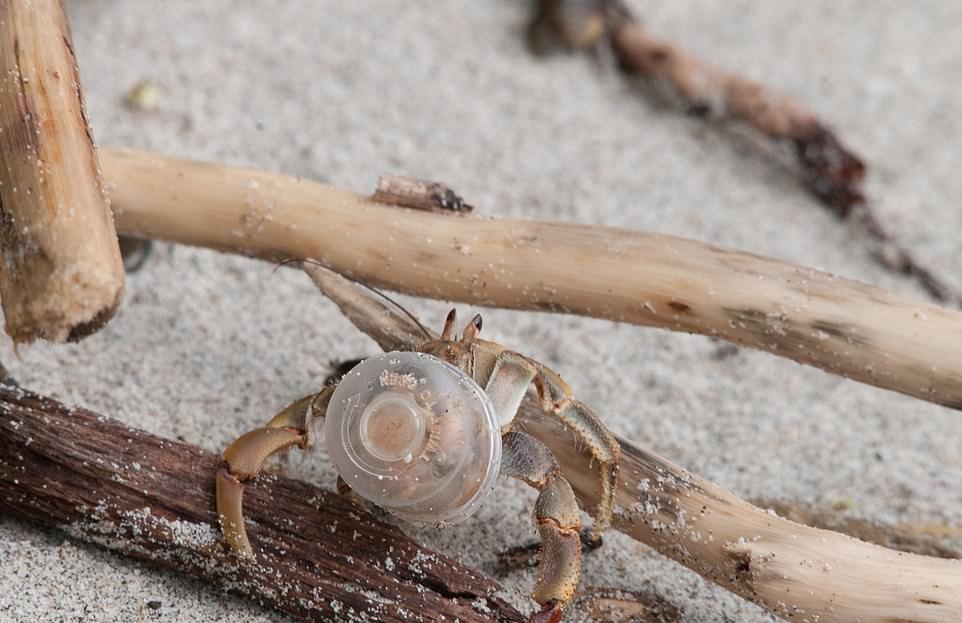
point(153, 499)
point(831, 171)
point(61, 275)
point(828, 169)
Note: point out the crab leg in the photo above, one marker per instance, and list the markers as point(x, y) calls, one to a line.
point(604, 449)
point(507, 383)
point(555, 517)
point(244, 458)
point(509, 380)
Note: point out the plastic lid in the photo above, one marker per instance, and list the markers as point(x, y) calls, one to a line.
point(414, 435)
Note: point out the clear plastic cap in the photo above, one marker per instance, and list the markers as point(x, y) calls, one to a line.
point(414, 435)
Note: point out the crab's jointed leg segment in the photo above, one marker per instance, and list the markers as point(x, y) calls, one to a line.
point(603, 448)
point(556, 399)
point(556, 517)
point(301, 413)
point(243, 459)
point(507, 385)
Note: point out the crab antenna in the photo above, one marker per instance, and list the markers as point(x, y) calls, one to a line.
point(473, 329)
point(448, 332)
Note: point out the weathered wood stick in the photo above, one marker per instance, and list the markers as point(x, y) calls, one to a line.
point(829, 169)
point(61, 275)
point(928, 539)
point(941, 540)
point(153, 499)
point(845, 327)
point(795, 571)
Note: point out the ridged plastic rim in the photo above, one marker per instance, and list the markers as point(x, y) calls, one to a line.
point(494, 433)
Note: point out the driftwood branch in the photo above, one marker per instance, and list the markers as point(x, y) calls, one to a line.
point(928, 539)
point(60, 275)
point(845, 327)
point(829, 170)
point(153, 499)
point(795, 571)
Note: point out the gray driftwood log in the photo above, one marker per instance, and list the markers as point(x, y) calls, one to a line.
point(153, 499)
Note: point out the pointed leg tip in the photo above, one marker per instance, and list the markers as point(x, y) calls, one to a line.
point(229, 495)
point(246, 554)
point(549, 613)
point(236, 541)
point(239, 546)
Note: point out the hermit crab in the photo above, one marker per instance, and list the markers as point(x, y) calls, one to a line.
point(424, 432)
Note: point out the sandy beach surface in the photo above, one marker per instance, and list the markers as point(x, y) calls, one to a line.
point(207, 346)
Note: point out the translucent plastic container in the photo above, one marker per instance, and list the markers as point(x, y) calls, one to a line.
point(414, 435)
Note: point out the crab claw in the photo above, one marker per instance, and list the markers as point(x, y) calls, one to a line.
point(550, 613)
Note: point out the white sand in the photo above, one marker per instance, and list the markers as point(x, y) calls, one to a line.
point(208, 346)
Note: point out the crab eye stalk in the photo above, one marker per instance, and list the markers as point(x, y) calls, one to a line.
point(414, 435)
